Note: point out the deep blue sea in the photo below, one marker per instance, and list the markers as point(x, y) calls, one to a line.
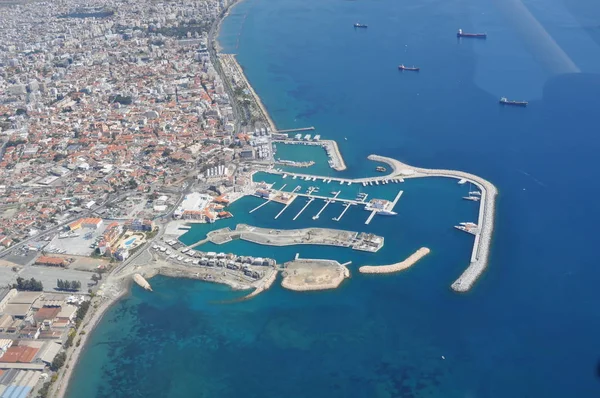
point(529, 328)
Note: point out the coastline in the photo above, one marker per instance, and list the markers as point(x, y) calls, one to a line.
point(232, 61)
point(400, 266)
point(96, 314)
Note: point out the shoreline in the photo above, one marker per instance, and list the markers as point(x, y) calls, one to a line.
point(232, 62)
point(64, 377)
point(400, 266)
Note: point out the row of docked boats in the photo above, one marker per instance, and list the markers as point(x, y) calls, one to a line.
point(383, 181)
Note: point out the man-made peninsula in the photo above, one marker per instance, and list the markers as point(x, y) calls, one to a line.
point(306, 236)
point(312, 274)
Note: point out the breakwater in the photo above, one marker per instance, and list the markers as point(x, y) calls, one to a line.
point(483, 239)
point(402, 265)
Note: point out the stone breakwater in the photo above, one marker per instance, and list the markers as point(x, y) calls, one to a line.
point(265, 283)
point(402, 265)
point(483, 240)
point(333, 150)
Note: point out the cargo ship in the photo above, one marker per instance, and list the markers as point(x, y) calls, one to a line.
point(506, 101)
point(476, 35)
point(359, 25)
point(413, 68)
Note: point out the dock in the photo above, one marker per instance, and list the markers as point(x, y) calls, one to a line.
point(396, 199)
point(370, 217)
point(338, 218)
point(259, 206)
point(295, 130)
point(329, 200)
point(305, 206)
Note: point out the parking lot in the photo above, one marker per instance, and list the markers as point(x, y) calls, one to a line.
point(78, 245)
point(49, 275)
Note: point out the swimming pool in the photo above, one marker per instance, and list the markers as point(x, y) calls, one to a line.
point(129, 242)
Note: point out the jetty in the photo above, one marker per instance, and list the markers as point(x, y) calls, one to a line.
point(308, 202)
point(140, 280)
point(402, 265)
point(483, 238)
point(295, 130)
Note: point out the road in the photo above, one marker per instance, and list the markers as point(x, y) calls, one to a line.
point(62, 225)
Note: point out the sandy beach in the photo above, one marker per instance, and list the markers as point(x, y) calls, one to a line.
point(402, 265)
point(98, 308)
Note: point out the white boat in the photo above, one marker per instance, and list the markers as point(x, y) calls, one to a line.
point(387, 213)
point(476, 193)
point(376, 182)
point(472, 198)
point(284, 176)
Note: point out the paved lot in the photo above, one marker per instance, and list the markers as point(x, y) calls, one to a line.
point(80, 245)
point(49, 275)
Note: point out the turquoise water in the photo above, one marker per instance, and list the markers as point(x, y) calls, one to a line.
point(128, 242)
point(530, 326)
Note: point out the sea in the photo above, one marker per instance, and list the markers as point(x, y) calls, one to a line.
point(530, 327)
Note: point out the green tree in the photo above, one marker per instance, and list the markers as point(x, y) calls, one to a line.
point(59, 361)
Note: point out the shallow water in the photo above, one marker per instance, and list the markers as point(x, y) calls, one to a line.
point(528, 328)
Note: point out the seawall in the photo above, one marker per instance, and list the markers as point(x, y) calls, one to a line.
point(483, 240)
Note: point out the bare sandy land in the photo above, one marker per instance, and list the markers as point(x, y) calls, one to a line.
point(402, 265)
point(305, 275)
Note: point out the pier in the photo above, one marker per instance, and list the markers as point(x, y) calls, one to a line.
point(338, 218)
point(370, 217)
point(285, 207)
point(296, 130)
point(305, 206)
point(259, 206)
point(329, 200)
point(289, 202)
